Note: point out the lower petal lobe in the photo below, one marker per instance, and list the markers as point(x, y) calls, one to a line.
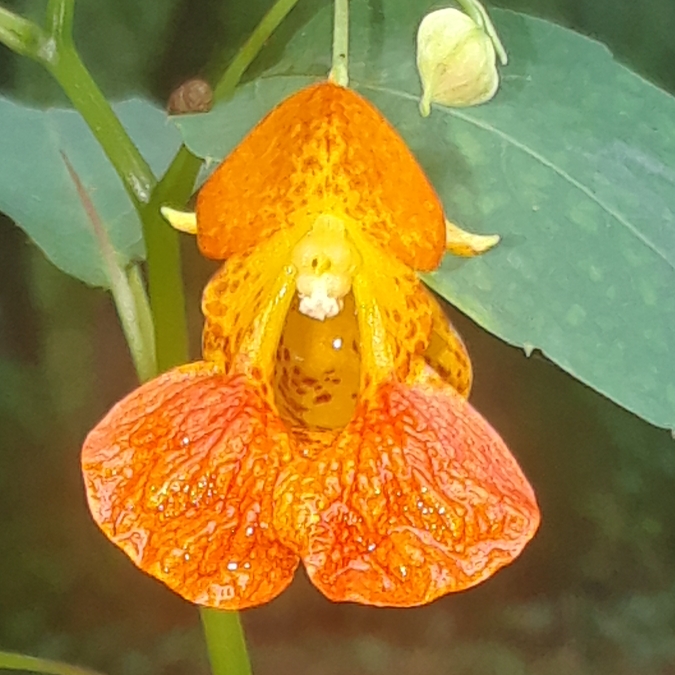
point(180, 475)
point(416, 498)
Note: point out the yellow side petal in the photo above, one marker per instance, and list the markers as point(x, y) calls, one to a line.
point(447, 355)
point(245, 306)
point(401, 320)
point(395, 314)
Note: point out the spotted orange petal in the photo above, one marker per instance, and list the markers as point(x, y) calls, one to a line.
point(180, 474)
point(446, 352)
point(323, 150)
point(411, 320)
point(416, 498)
point(249, 293)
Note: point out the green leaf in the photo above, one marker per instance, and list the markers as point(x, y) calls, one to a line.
point(573, 163)
point(13, 661)
point(39, 195)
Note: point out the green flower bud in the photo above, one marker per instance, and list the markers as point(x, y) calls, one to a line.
point(456, 61)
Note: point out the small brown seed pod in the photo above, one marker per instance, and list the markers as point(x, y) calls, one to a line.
point(193, 96)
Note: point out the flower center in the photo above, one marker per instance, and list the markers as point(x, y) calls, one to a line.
point(326, 262)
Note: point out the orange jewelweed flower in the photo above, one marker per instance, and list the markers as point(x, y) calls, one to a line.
point(328, 420)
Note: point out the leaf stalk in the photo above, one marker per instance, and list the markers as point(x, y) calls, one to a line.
point(475, 10)
point(250, 49)
point(339, 72)
point(21, 35)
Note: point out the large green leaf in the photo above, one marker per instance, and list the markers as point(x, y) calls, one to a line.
point(38, 194)
point(573, 163)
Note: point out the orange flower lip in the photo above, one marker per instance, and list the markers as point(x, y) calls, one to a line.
point(328, 422)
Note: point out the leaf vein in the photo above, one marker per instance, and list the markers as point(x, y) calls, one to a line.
point(540, 158)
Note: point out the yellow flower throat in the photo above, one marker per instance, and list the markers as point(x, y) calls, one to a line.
point(316, 378)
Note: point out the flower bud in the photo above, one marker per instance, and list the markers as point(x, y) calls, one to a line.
point(456, 61)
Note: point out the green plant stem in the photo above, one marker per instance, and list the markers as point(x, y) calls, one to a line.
point(89, 101)
point(339, 72)
point(143, 314)
point(60, 15)
point(13, 661)
point(140, 342)
point(56, 51)
point(475, 10)
point(129, 299)
point(162, 243)
point(251, 47)
point(225, 642)
point(21, 35)
point(165, 283)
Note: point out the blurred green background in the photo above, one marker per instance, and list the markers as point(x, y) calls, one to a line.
point(594, 593)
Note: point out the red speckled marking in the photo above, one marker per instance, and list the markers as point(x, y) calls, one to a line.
point(324, 149)
point(361, 456)
point(416, 498)
point(446, 352)
point(180, 476)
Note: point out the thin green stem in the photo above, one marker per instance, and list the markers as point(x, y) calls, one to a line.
point(60, 20)
point(58, 55)
point(144, 318)
point(165, 283)
point(225, 642)
point(475, 10)
point(139, 340)
point(251, 47)
point(339, 72)
point(21, 35)
point(13, 661)
point(137, 331)
point(75, 80)
point(162, 244)
point(471, 10)
point(56, 51)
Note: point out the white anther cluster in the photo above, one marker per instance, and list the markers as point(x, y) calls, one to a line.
point(326, 262)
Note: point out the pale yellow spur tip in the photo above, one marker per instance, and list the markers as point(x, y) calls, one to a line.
point(183, 221)
point(466, 244)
